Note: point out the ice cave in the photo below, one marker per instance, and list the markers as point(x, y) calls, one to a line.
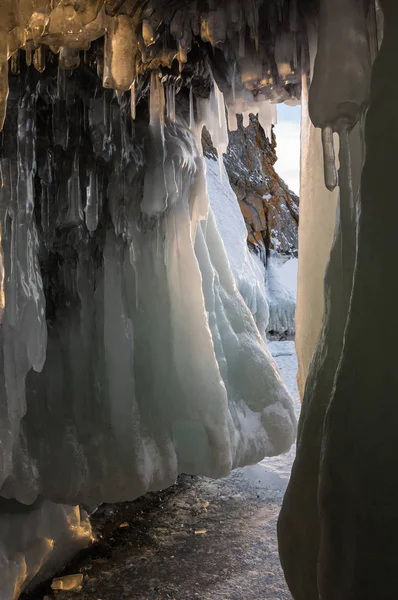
point(134, 306)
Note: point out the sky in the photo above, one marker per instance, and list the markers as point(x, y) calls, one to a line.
point(287, 133)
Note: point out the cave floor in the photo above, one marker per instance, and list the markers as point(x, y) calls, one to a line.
point(200, 539)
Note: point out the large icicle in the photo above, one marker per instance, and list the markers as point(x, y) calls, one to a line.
point(340, 88)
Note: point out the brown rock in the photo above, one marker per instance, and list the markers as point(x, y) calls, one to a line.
point(269, 208)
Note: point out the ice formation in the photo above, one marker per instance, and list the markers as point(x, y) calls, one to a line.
point(265, 284)
point(131, 349)
point(120, 357)
point(282, 300)
point(37, 539)
point(247, 268)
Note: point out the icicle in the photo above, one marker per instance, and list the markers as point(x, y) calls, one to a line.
point(91, 209)
point(60, 111)
point(134, 254)
point(39, 58)
point(69, 58)
point(171, 101)
point(3, 92)
point(15, 63)
point(100, 65)
point(119, 97)
point(132, 101)
point(340, 94)
point(182, 56)
point(232, 120)
point(155, 201)
point(191, 111)
point(119, 54)
point(267, 116)
point(220, 106)
point(74, 215)
point(148, 33)
point(329, 158)
point(106, 105)
point(156, 104)
point(216, 121)
point(29, 53)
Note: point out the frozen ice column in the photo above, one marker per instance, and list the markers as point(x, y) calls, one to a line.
point(340, 87)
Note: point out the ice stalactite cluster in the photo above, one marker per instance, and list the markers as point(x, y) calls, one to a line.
point(257, 50)
point(128, 354)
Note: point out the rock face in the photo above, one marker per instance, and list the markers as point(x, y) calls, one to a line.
point(270, 209)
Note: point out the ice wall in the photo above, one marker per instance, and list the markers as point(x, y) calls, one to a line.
point(128, 354)
point(281, 298)
point(248, 270)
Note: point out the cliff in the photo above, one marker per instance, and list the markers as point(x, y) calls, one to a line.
point(270, 209)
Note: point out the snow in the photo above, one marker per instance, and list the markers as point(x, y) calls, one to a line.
point(247, 268)
point(285, 357)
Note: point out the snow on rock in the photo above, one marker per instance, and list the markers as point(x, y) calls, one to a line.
point(270, 209)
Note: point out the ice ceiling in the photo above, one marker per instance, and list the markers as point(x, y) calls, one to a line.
point(257, 50)
point(127, 354)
